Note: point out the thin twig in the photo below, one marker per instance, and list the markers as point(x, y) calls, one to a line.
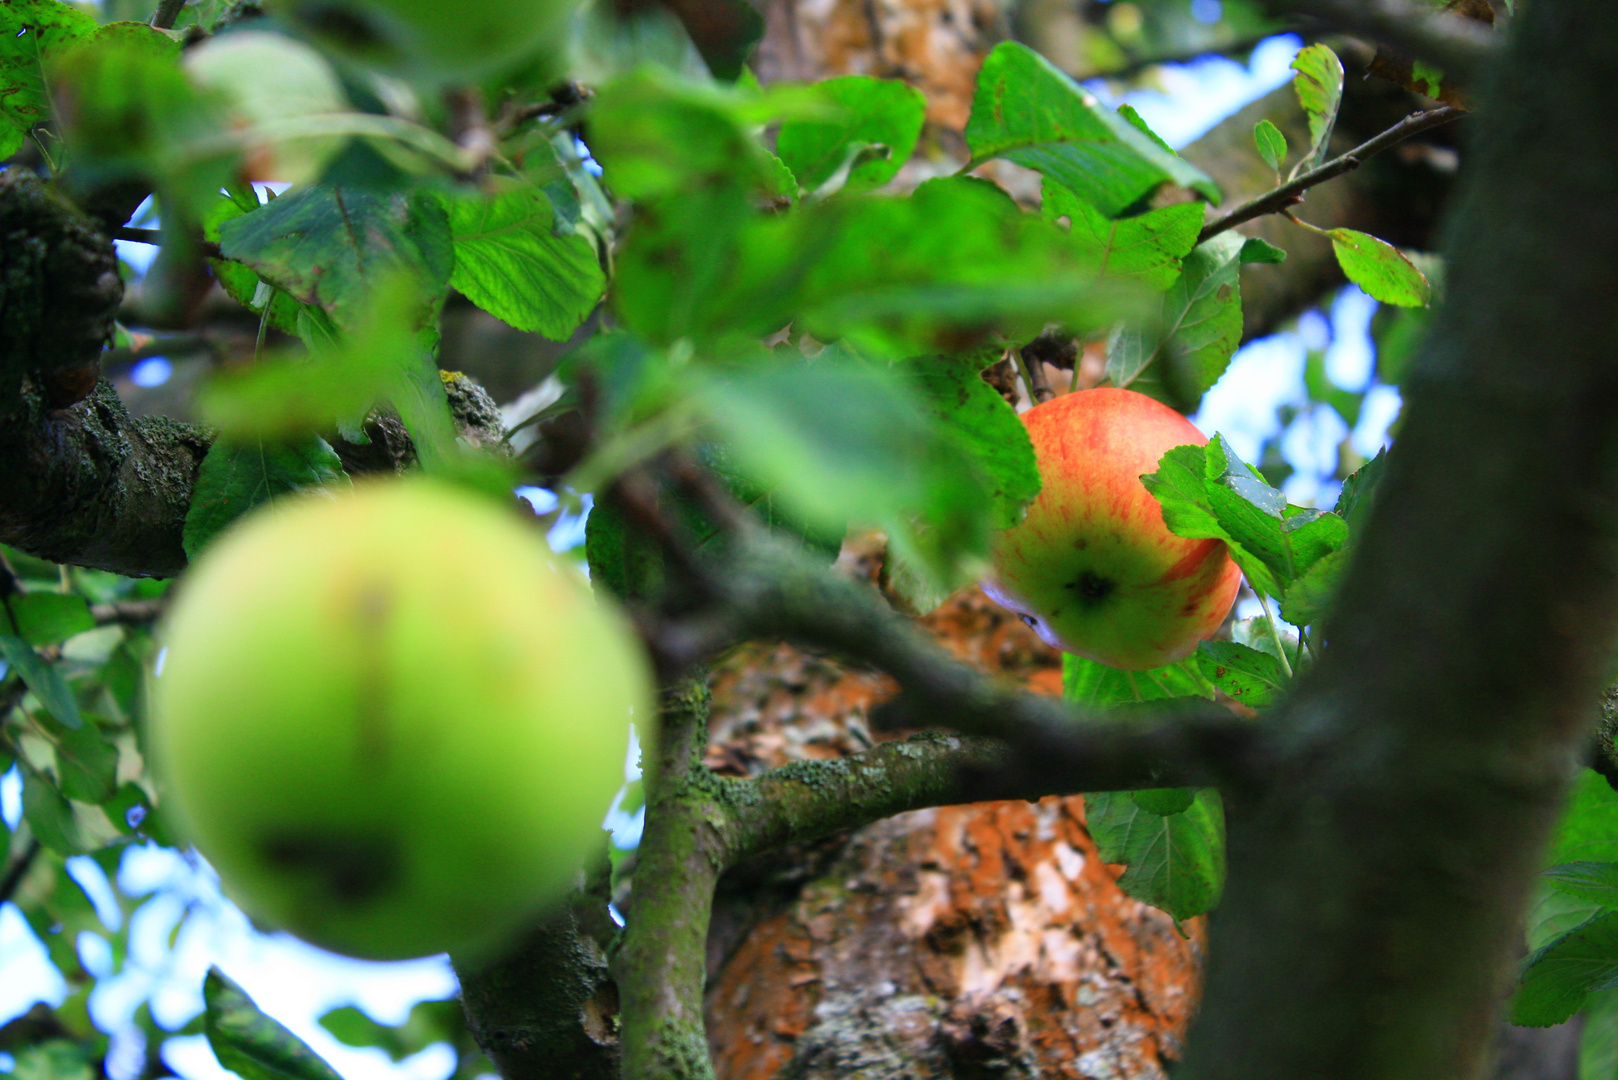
point(1291, 193)
point(171, 345)
point(167, 13)
point(155, 236)
point(18, 870)
point(128, 612)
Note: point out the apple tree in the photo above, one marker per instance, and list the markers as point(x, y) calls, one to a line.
point(798, 311)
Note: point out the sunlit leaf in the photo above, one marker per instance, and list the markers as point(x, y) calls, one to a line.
point(1319, 86)
point(1272, 145)
point(1381, 269)
point(865, 115)
point(1189, 342)
point(511, 261)
point(1028, 111)
point(1147, 248)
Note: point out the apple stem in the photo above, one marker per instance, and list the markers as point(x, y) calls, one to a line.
point(1275, 632)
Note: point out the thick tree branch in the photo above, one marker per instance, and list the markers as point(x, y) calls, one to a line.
point(1372, 923)
point(1291, 193)
point(92, 486)
point(777, 594)
point(1461, 47)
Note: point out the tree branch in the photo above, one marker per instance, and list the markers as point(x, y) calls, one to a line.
point(1291, 193)
point(128, 612)
point(135, 235)
point(1461, 47)
point(18, 870)
point(166, 14)
point(1373, 916)
point(661, 965)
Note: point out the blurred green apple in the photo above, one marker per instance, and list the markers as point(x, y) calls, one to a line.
point(1092, 568)
point(392, 719)
point(433, 40)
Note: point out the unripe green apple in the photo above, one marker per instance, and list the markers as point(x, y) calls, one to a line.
point(392, 719)
point(1092, 568)
point(432, 39)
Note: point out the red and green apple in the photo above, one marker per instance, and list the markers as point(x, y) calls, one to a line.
point(1092, 568)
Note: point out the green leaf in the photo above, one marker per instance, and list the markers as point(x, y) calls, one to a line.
point(237, 476)
point(1310, 597)
point(384, 357)
point(1097, 686)
point(511, 262)
point(240, 282)
point(1354, 502)
point(1028, 111)
point(1596, 882)
point(866, 114)
point(1381, 269)
point(956, 265)
point(656, 134)
point(1588, 831)
point(1208, 492)
point(1254, 678)
point(1176, 863)
point(31, 30)
point(132, 115)
point(1272, 145)
point(1195, 331)
point(1164, 801)
point(1598, 1047)
point(1147, 248)
point(984, 426)
point(86, 763)
point(1319, 86)
point(1557, 977)
point(429, 1022)
point(55, 1059)
point(1256, 249)
point(329, 246)
point(49, 814)
point(42, 678)
point(251, 1044)
point(840, 441)
point(46, 618)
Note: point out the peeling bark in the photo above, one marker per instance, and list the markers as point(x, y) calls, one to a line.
point(972, 941)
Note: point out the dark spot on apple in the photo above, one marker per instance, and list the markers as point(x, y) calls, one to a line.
point(352, 869)
point(1190, 608)
point(1081, 543)
point(1092, 589)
